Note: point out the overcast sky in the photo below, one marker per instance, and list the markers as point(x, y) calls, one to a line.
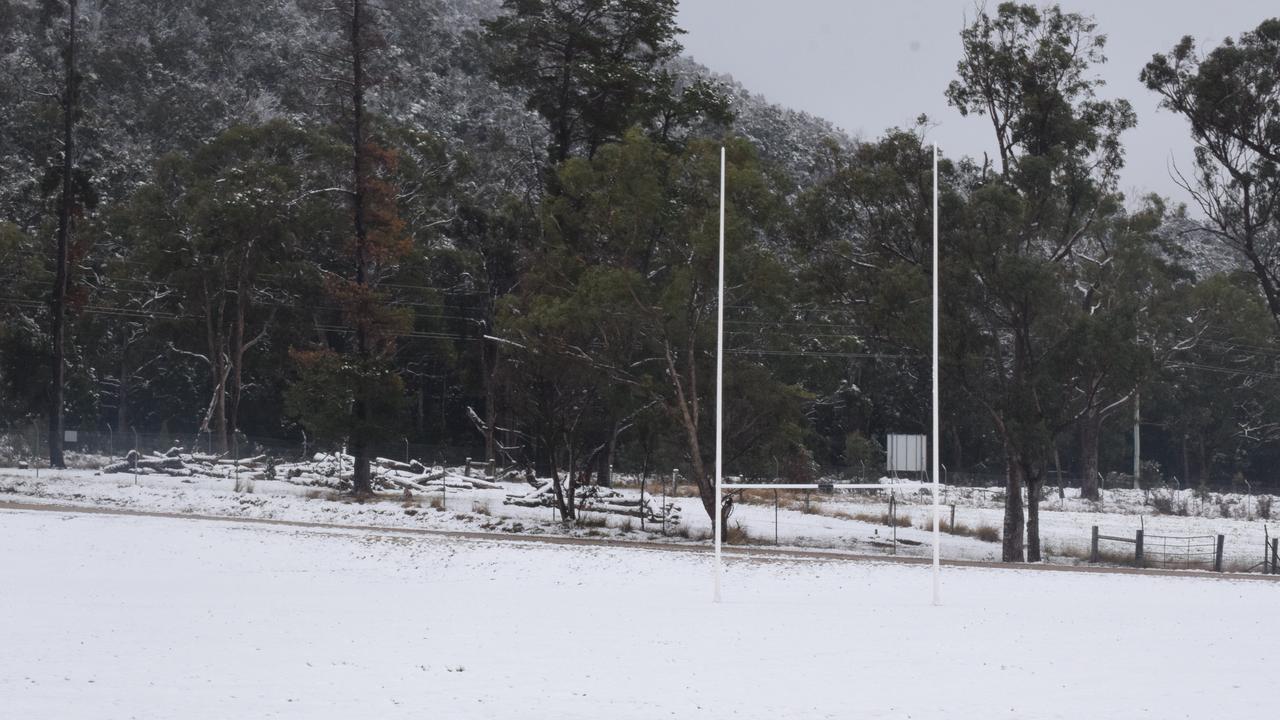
point(867, 65)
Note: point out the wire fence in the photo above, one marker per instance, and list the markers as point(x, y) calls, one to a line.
point(1120, 481)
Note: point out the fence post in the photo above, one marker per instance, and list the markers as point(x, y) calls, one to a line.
point(775, 517)
point(235, 455)
point(641, 501)
point(467, 470)
point(1093, 546)
point(1217, 557)
point(953, 518)
point(1137, 549)
point(893, 518)
point(1275, 556)
point(664, 509)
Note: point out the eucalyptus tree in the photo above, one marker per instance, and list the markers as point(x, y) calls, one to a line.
point(1230, 97)
point(1030, 72)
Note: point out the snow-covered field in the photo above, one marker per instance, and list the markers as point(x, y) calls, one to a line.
point(843, 521)
point(129, 617)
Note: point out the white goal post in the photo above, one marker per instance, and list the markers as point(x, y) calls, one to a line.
point(933, 483)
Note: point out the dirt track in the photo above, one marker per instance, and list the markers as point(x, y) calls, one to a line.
point(732, 553)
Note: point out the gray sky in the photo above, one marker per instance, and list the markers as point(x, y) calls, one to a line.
point(867, 65)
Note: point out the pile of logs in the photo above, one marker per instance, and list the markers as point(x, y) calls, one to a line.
point(593, 498)
point(331, 470)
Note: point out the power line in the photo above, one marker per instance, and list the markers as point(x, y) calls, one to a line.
point(1228, 371)
point(823, 354)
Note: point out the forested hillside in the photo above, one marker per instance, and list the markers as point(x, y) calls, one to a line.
point(489, 228)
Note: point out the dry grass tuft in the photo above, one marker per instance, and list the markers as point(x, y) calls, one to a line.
point(985, 533)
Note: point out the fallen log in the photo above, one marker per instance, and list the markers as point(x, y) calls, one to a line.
point(393, 464)
point(132, 461)
point(243, 461)
point(476, 483)
point(409, 484)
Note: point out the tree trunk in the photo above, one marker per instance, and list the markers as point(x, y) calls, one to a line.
point(1034, 478)
point(58, 303)
point(122, 394)
point(237, 358)
point(604, 466)
point(1202, 456)
point(488, 371)
point(1090, 427)
point(686, 410)
point(563, 500)
point(1186, 463)
point(420, 410)
point(571, 502)
point(1012, 547)
point(237, 363)
point(220, 402)
point(360, 481)
point(957, 450)
point(1057, 469)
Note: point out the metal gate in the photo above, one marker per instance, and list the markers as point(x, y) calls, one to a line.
point(1192, 551)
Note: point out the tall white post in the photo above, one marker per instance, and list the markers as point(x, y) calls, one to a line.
point(716, 521)
point(934, 462)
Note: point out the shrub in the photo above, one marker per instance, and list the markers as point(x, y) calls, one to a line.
point(900, 520)
point(735, 534)
point(1165, 503)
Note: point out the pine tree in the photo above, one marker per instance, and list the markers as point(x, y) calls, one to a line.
point(378, 238)
point(591, 68)
point(69, 101)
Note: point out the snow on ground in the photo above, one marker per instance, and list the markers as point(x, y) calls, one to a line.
point(829, 523)
point(131, 617)
point(463, 510)
point(1066, 525)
